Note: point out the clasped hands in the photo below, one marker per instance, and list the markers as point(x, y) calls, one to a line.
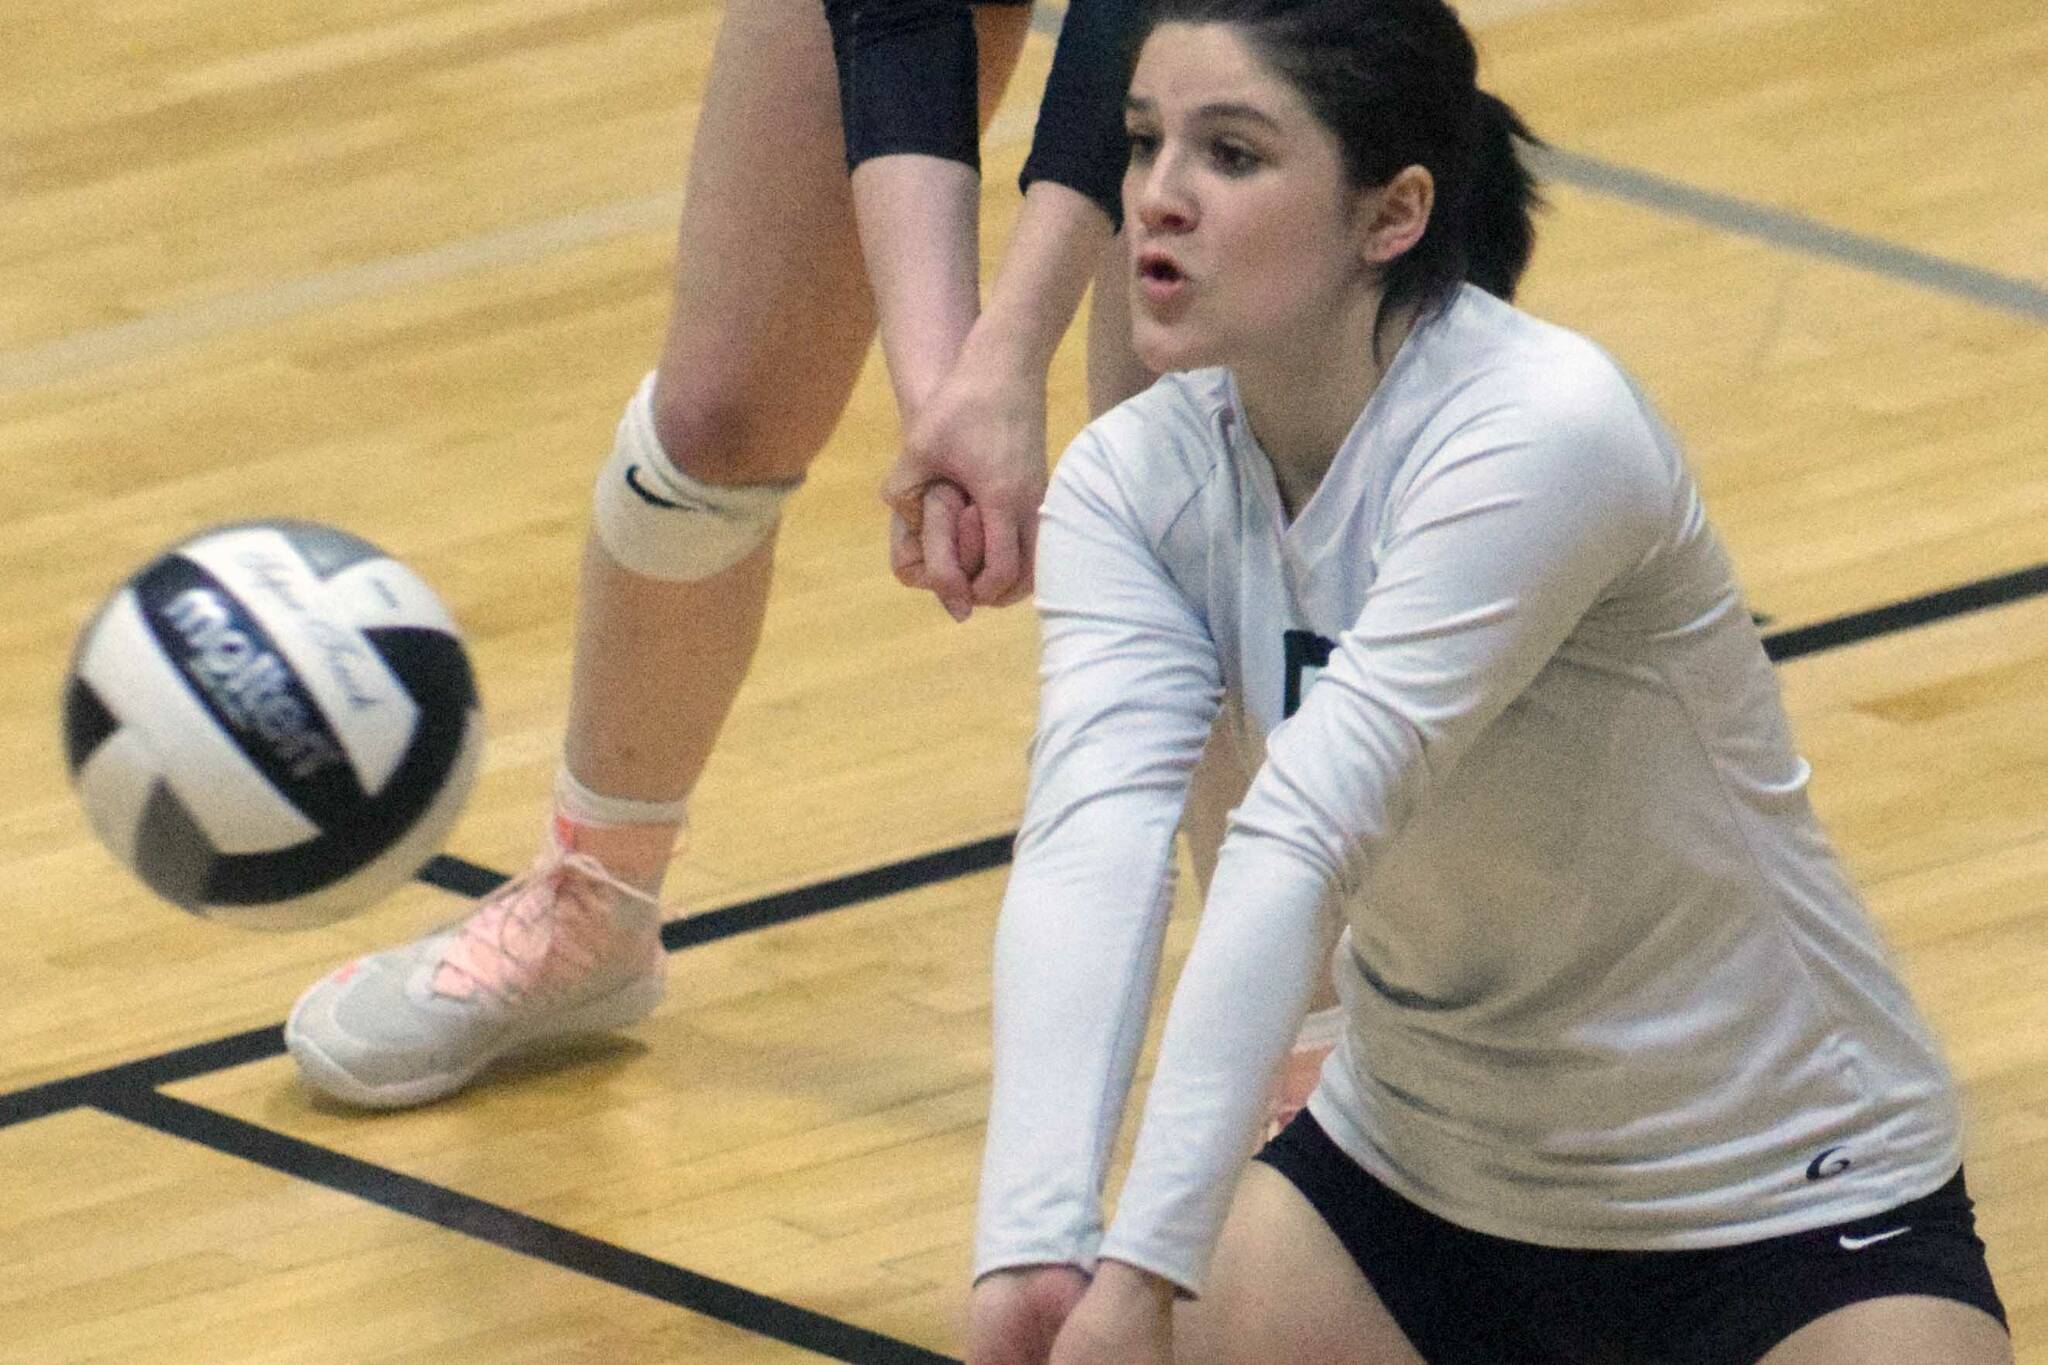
point(964, 494)
point(1056, 1315)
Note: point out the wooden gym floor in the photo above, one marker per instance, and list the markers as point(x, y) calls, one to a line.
point(394, 264)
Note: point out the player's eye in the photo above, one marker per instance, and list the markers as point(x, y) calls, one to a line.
point(1233, 158)
point(1144, 145)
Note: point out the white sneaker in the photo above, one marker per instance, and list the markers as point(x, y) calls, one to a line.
point(564, 950)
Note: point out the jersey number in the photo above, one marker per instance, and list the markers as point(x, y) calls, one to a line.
point(1307, 655)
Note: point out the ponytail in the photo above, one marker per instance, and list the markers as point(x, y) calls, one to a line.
point(1483, 229)
point(1500, 230)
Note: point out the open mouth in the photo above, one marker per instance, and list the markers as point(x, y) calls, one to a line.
point(1159, 269)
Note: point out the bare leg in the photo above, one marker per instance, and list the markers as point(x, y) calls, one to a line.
point(771, 323)
point(1282, 1288)
point(1905, 1327)
point(1114, 370)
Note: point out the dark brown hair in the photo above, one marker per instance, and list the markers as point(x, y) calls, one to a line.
point(1396, 81)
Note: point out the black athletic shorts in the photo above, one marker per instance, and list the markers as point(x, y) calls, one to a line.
point(1466, 1298)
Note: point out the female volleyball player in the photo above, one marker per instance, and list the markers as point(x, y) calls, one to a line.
point(775, 305)
point(1624, 1074)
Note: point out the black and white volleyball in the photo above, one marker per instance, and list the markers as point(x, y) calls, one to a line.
point(272, 723)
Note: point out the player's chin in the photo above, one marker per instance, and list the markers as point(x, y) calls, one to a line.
point(1164, 355)
point(1164, 347)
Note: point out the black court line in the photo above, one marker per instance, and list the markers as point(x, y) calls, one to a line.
point(467, 878)
point(514, 1231)
point(94, 1087)
point(127, 1090)
point(1914, 611)
point(460, 876)
point(892, 879)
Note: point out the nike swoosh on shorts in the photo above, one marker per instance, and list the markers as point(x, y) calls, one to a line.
point(1858, 1243)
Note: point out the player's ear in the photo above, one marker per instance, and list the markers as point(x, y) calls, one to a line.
point(1392, 217)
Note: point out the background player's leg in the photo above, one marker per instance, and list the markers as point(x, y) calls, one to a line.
point(771, 323)
point(1283, 1288)
point(1907, 1327)
point(1114, 370)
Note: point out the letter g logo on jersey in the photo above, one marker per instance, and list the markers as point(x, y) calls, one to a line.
point(1832, 1161)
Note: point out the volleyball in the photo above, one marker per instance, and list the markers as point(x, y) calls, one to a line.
point(273, 724)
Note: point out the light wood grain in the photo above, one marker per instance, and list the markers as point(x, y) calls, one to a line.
point(395, 263)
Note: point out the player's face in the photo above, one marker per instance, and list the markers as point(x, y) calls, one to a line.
point(1245, 235)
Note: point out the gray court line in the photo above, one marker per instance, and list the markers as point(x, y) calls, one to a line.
point(1792, 232)
point(159, 332)
point(97, 347)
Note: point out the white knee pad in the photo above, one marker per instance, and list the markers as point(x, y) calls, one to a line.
point(660, 522)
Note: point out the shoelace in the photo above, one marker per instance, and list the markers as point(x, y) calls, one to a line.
point(483, 934)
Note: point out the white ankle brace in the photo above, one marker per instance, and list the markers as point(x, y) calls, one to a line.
point(585, 806)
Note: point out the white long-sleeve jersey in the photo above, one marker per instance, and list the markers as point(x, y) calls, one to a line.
point(1606, 984)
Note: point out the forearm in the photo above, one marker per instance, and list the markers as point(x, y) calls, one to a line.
point(1130, 690)
point(1053, 253)
point(908, 85)
point(1075, 964)
point(916, 216)
point(1260, 947)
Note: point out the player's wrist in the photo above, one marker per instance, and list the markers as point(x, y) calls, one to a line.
point(1011, 344)
point(1127, 1285)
